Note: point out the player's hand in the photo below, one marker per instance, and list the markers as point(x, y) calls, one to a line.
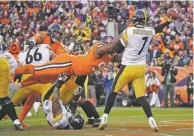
point(62, 77)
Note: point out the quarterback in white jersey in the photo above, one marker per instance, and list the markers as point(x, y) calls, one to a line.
point(8, 56)
point(136, 41)
point(134, 44)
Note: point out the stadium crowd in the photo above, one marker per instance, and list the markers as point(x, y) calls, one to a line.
point(85, 22)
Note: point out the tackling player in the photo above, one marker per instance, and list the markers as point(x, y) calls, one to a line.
point(98, 57)
point(135, 42)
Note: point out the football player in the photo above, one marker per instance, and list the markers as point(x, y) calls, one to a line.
point(37, 54)
point(51, 37)
point(98, 57)
point(57, 114)
point(6, 105)
point(135, 42)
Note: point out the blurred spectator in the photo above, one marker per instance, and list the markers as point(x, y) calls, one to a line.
point(184, 59)
point(169, 73)
point(190, 87)
point(153, 84)
point(154, 55)
point(167, 57)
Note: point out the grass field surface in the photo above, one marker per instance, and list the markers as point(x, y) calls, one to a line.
point(127, 121)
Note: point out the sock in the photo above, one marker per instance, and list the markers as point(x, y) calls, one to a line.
point(110, 102)
point(28, 105)
point(145, 105)
point(16, 122)
point(89, 109)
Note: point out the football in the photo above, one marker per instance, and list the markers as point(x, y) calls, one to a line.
point(173, 13)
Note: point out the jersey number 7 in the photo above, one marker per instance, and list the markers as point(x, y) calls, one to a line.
point(145, 40)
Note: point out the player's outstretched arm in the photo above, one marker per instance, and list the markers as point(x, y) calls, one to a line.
point(110, 48)
point(117, 58)
point(160, 27)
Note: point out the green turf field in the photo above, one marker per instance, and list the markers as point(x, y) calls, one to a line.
point(127, 121)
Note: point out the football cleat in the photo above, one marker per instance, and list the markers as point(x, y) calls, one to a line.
point(18, 127)
point(96, 122)
point(153, 124)
point(103, 122)
point(90, 121)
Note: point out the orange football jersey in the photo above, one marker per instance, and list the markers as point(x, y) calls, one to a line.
point(84, 65)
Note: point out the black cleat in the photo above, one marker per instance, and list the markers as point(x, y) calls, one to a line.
point(96, 122)
point(91, 121)
point(18, 127)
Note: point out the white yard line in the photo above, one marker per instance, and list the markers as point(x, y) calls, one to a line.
point(134, 108)
point(154, 115)
point(163, 134)
point(183, 128)
point(94, 134)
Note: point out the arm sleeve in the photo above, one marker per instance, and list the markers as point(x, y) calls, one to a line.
point(161, 26)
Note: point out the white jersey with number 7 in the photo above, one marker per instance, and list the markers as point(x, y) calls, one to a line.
point(136, 41)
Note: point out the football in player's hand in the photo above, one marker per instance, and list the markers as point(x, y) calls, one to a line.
point(173, 13)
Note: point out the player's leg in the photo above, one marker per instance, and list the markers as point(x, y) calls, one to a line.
point(57, 66)
point(79, 81)
point(27, 69)
point(5, 102)
point(27, 106)
point(8, 108)
point(120, 81)
point(91, 112)
point(27, 82)
point(139, 88)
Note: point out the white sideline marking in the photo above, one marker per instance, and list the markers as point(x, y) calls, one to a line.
point(173, 121)
point(154, 115)
point(134, 108)
point(98, 134)
point(164, 134)
point(183, 128)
